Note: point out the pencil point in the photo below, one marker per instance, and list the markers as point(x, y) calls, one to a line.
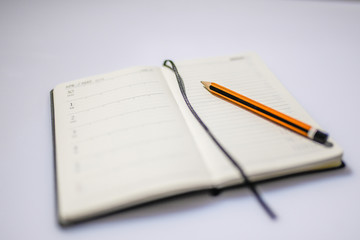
point(206, 84)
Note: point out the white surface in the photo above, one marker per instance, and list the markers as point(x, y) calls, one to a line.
point(312, 46)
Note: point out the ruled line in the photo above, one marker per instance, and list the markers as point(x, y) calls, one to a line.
point(115, 131)
point(114, 102)
point(118, 115)
point(111, 90)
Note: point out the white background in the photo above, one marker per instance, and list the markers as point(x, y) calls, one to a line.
point(313, 47)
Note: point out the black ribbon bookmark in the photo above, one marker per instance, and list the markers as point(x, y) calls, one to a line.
point(247, 182)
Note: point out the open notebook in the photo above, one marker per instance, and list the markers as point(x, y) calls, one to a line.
point(127, 137)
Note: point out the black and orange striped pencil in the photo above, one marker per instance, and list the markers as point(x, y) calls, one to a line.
point(267, 112)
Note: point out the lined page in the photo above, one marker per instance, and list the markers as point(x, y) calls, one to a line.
point(121, 140)
point(258, 145)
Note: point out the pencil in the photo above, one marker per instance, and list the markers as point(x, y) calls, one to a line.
point(267, 112)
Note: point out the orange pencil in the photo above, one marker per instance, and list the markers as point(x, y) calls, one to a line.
point(267, 112)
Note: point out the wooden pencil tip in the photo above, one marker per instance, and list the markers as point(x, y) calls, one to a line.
point(206, 84)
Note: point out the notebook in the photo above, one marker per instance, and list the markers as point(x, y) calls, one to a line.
point(127, 137)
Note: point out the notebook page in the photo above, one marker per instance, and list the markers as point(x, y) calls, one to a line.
point(121, 140)
point(260, 146)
